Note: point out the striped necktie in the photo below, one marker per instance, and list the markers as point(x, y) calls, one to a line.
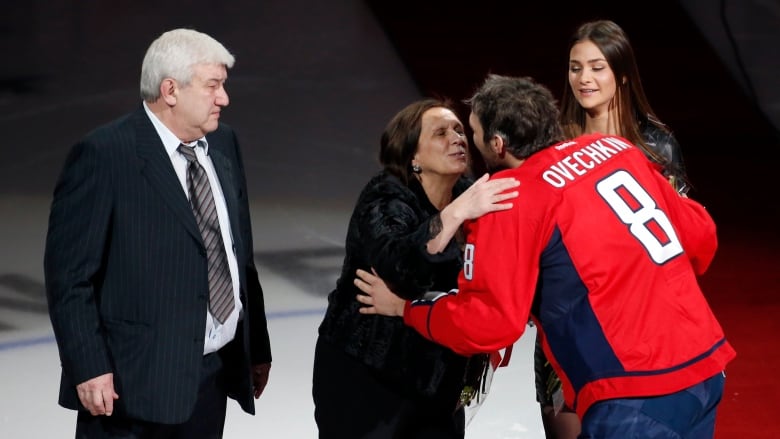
point(221, 302)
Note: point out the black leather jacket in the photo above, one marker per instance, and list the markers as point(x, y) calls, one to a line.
point(665, 144)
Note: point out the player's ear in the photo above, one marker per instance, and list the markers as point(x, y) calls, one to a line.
point(497, 144)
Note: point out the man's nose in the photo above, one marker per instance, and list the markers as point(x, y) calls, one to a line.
point(222, 97)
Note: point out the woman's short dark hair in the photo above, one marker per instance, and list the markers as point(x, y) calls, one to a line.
point(402, 134)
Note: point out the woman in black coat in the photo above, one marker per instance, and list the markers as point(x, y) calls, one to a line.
point(373, 376)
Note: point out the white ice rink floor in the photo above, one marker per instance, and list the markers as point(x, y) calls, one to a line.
point(298, 251)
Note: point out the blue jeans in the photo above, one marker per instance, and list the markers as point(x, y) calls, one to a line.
point(688, 414)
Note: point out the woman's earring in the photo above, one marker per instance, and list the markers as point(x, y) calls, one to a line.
point(416, 169)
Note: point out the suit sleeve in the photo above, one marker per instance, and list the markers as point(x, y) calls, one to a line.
point(496, 288)
point(79, 222)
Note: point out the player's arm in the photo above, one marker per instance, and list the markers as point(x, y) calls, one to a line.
point(698, 233)
point(695, 227)
point(491, 310)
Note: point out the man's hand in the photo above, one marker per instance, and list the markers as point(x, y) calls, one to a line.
point(378, 298)
point(97, 394)
point(260, 374)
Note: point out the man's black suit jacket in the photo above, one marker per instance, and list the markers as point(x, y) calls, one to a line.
point(126, 274)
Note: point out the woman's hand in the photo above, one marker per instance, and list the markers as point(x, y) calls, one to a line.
point(378, 299)
point(484, 196)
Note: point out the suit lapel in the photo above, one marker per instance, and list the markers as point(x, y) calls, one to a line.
point(224, 169)
point(157, 168)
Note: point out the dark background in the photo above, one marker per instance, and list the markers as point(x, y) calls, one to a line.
point(704, 88)
point(327, 75)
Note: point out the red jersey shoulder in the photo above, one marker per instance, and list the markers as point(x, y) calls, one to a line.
point(569, 162)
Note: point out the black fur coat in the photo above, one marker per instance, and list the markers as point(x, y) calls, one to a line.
point(389, 229)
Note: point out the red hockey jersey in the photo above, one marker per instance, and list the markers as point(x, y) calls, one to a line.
point(603, 254)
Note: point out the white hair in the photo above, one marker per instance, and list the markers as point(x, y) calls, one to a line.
point(174, 53)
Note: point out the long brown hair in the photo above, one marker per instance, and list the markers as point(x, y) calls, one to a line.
point(631, 105)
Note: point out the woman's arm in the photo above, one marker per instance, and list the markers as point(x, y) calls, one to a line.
point(484, 196)
point(401, 241)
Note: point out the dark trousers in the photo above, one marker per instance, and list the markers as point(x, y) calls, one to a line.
point(206, 422)
point(352, 402)
point(687, 414)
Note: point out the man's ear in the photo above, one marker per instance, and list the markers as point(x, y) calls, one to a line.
point(497, 145)
point(169, 91)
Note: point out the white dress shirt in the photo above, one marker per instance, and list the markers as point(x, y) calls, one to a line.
point(217, 335)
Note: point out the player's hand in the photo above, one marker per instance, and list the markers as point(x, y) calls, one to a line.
point(97, 394)
point(378, 299)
